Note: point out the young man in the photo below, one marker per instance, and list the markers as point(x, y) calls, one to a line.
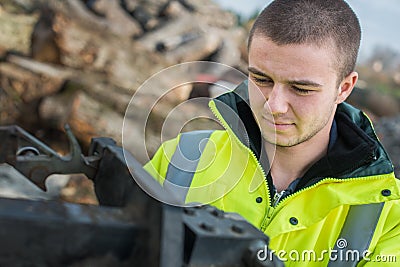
point(295, 160)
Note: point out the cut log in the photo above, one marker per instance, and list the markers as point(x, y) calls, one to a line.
point(25, 85)
point(119, 21)
point(43, 40)
point(123, 61)
point(229, 52)
point(86, 116)
point(8, 107)
point(178, 46)
point(16, 31)
point(40, 68)
point(92, 83)
point(210, 13)
point(78, 12)
point(21, 91)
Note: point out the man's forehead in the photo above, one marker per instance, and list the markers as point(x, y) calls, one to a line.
point(326, 44)
point(263, 49)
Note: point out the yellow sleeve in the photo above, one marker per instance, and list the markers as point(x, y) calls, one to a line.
point(387, 249)
point(158, 165)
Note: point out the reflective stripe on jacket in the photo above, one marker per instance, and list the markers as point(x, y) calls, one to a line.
point(305, 228)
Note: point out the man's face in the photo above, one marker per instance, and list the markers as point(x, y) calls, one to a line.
point(292, 90)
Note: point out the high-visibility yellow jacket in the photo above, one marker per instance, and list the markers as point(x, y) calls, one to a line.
point(306, 226)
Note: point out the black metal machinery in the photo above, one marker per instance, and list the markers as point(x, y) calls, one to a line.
point(128, 228)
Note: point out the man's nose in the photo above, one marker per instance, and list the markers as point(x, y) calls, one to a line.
point(277, 100)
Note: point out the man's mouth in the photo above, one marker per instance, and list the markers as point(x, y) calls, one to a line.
point(278, 125)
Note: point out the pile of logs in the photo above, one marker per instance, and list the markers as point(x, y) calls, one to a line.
point(80, 61)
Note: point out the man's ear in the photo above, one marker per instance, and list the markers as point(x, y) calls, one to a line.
point(346, 87)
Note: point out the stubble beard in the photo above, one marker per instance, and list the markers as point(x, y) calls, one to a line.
point(317, 126)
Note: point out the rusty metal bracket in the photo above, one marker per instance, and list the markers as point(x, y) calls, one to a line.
point(36, 161)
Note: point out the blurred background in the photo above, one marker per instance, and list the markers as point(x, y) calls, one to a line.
point(81, 61)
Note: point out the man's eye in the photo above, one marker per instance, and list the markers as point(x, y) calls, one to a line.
point(301, 91)
point(263, 81)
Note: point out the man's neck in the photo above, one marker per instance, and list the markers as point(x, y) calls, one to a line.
point(290, 163)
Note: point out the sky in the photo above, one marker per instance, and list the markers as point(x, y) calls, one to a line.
point(379, 20)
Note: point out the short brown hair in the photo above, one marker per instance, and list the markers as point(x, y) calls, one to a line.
point(319, 22)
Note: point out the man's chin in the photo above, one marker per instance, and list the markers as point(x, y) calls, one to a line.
point(282, 143)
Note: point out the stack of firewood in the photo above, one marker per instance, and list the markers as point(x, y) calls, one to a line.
point(80, 61)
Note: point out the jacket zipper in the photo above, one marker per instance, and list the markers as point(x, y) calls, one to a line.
point(270, 209)
point(278, 197)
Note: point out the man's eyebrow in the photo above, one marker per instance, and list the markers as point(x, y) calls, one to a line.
point(291, 82)
point(304, 83)
point(256, 71)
